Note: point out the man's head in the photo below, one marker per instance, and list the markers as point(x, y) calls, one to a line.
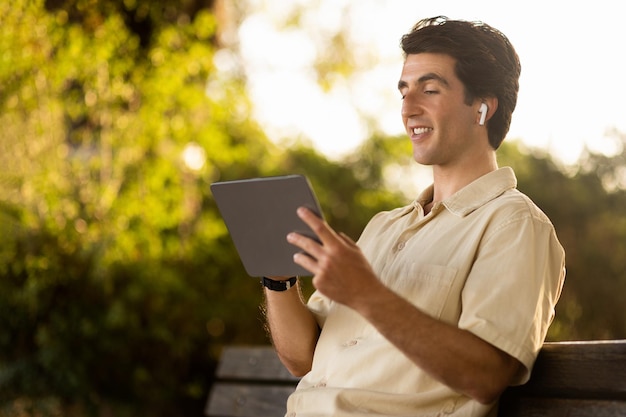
point(486, 63)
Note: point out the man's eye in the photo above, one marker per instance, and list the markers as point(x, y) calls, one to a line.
point(431, 92)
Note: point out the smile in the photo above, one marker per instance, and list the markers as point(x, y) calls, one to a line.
point(421, 130)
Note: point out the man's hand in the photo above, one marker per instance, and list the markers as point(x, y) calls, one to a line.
point(341, 271)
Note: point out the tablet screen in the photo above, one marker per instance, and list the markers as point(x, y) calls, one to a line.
point(259, 213)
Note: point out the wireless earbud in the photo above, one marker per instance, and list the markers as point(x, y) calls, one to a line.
point(483, 113)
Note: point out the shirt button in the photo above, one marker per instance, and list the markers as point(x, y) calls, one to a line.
point(320, 384)
point(401, 245)
point(350, 343)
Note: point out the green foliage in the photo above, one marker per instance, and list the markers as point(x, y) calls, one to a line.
point(116, 273)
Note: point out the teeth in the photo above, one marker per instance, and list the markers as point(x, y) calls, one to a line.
point(420, 130)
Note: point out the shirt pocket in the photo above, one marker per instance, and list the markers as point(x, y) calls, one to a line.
point(427, 286)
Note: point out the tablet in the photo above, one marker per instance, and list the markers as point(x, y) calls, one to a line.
point(259, 213)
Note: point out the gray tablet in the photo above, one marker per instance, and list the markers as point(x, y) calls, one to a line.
point(259, 213)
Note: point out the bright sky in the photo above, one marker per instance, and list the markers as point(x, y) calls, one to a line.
point(572, 88)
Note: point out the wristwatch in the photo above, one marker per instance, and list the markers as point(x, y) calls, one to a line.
point(279, 285)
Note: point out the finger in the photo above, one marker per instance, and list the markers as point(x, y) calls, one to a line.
point(318, 225)
point(308, 245)
point(306, 262)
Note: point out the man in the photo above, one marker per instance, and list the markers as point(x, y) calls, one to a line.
point(443, 303)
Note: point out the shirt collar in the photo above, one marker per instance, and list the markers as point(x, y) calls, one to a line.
point(472, 196)
point(481, 191)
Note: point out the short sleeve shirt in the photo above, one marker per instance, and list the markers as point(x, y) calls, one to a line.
point(486, 259)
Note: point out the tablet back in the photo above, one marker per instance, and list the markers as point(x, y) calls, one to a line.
point(259, 213)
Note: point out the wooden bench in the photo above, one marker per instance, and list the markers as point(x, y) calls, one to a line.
point(573, 379)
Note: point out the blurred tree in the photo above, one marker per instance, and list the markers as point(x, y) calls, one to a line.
point(111, 252)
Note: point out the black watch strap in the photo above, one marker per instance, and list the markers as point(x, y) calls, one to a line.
point(279, 285)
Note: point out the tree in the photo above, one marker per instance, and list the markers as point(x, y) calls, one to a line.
point(111, 253)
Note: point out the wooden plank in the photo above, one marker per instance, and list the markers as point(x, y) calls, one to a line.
point(579, 370)
point(560, 407)
point(248, 400)
point(253, 363)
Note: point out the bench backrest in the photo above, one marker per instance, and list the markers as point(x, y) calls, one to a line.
point(581, 379)
point(572, 379)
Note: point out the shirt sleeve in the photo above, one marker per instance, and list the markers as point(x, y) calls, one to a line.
point(511, 292)
point(319, 305)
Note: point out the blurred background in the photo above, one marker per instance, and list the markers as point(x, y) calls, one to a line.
point(119, 283)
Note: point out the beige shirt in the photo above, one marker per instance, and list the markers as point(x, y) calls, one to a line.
point(486, 259)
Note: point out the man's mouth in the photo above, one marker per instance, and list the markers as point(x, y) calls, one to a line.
point(421, 130)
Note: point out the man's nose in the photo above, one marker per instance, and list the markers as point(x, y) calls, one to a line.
point(410, 105)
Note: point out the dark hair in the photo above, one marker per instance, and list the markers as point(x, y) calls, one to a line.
point(486, 63)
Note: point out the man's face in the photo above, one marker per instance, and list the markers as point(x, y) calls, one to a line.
point(436, 118)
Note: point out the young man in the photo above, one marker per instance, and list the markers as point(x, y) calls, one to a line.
point(443, 303)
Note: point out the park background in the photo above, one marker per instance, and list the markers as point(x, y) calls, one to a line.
point(119, 284)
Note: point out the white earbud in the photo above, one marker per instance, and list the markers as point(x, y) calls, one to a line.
point(483, 113)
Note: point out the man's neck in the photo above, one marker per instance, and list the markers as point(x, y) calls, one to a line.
point(449, 180)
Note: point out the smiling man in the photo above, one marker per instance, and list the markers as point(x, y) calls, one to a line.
point(445, 302)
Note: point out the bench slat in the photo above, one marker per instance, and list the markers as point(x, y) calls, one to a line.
point(253, 363)
point(248, 400)
point(579, 369)
point(560, 407)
